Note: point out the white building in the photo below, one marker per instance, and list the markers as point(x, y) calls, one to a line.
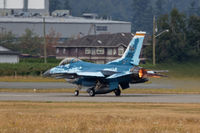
point(8, 56)
point(67, 27)
point(19, 6)
point(24, 15)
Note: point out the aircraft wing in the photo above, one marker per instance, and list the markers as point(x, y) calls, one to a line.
point(118, 75)
point(117, 79)
point(90, 74)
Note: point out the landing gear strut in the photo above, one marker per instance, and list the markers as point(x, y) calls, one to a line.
point(117, 92)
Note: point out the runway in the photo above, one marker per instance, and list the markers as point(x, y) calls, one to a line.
point(69, 97)
point(63, 85)
point(153, 84)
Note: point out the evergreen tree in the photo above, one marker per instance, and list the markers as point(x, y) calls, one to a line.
point(192, 8)
point(159, 7)
point(30, 43)
point(8, 40)
point(193, 37)
point(142, 16)
point(172, 45)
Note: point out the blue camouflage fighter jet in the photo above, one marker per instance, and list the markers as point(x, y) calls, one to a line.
point(105, 78)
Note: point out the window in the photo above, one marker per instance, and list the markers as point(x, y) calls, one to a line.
point(114, 52)
point(100, 51)
point(120, 51)
point(64, 50)
point(109, 51)
point(93, 51)
point(87, 51)
point(57, 50)
point(102, 28)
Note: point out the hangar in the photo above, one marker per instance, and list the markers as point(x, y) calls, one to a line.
point(67, 27)
point(19, 15)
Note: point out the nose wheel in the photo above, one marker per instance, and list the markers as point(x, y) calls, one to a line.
point(76, 93)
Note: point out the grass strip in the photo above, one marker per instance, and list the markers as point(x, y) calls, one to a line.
point(82, 117)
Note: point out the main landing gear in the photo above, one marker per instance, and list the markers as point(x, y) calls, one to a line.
point(91, 92)
point(117, 92)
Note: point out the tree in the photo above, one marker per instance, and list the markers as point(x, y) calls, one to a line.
point(30, 43)
point(192, 9)
point(52, 40)
point(142, 15)
point(8, 40)
point(159, 7)
point(193, 36)
point(172, 45)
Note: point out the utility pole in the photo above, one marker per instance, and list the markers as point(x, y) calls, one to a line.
point(4, 8)
point(25, 8)
point(45, 42)
point(154, 40)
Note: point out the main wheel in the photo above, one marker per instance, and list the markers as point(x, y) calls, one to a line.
point(117, 92)
point(92, 92)
point(76, 93)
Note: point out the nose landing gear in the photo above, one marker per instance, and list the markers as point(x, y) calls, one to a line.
point(76, 93)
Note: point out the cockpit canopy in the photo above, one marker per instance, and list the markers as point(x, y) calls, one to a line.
point(68, 61)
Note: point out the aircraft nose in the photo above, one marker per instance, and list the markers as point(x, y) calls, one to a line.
point(46, 74)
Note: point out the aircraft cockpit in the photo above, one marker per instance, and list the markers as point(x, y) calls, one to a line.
point(68, 61)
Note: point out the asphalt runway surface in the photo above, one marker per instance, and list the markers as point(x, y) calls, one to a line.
point(84, 97)
point(163, 83)
point(69, 97)
point(61, 85)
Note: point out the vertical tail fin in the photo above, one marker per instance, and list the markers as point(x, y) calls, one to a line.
point(132, 53)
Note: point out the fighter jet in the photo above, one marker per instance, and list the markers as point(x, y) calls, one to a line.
point(105, 78)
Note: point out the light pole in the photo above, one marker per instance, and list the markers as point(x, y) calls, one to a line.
point(154, 39)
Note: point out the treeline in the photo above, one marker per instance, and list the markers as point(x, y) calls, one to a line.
point(139, 12)
point(28, 66)
point(29, 42)
point(182, 42)
point(24, 69)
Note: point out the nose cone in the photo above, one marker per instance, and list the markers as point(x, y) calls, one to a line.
point(47, 73)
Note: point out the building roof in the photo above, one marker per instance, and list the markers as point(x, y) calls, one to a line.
point(102, 40)
point(50, 19)
point(5, 51)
